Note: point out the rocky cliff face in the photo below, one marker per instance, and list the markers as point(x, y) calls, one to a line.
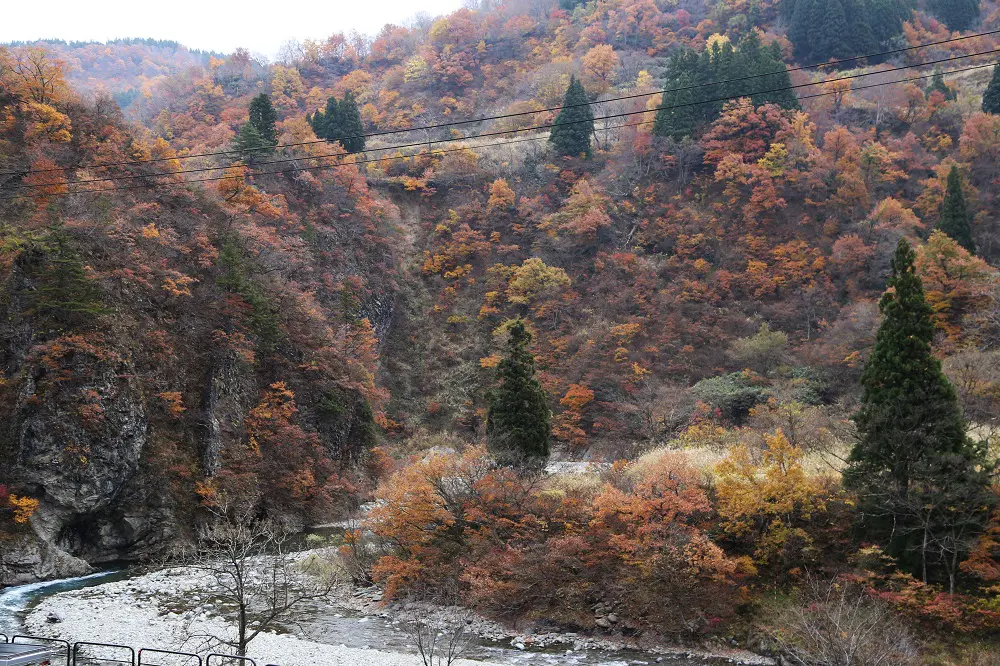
point(77, 428)
point(143, 332)
point(111, 434)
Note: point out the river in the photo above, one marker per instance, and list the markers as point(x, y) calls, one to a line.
point(334, 625)
point(16, 600)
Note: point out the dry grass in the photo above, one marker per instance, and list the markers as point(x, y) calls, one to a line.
point(583, 485)
point(705, 459)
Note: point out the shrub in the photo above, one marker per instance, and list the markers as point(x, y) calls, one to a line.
point(733, 395)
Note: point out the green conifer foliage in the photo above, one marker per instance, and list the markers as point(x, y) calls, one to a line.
point(341, 123)
point(517, 423)
point(954, 219)
point(821, 30)
point(798, 27)
point(352, 130)
point(327, 124)
point(65, 296)
point(263, 117)
point(938, 85)
point(778, 85)
point(236, 276)
point(859, 35)
point(991, 98)
point(958, 15)
point(250, 144)
point(918, 475)
point(886, 18)
point(687, 104)
point(678, 115)
point(908, 407)
point(574, 126)
point(835, 41)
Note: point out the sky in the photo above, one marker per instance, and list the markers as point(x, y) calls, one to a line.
point(261, 26)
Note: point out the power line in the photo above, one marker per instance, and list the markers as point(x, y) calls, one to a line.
point(434, 152)
point(454, 123)
point(507, 132)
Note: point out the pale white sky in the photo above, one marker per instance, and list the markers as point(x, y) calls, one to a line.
point(217, 25)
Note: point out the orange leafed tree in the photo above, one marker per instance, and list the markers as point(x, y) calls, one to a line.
point(767, 500)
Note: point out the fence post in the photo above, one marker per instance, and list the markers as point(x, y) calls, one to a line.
point(78, 645)
point(246, 661)
point(188, 655)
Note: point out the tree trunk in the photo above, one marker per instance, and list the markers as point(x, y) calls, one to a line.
point(241, 649)
point(923, 556)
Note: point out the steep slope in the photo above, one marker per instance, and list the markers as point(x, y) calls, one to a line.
point(164, 345)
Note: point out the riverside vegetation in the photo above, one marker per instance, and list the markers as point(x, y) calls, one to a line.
point(768, 312)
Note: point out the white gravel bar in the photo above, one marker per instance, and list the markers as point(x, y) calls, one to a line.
point(138, 612)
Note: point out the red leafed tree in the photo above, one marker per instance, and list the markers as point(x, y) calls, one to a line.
point(744, 130)
point(281, 456)
point(670, 574)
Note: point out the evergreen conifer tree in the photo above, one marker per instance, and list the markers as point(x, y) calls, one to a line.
point(991, 98)
point(779, 84)
point(65, 296)
point(860, 36)
point(678, 115)
point(798, 28)
point(517, 423)
point(958, 15)
point(912, 441)
point(327, 124)
point(685, 104)
point(954, 219)
point(574, 125)
point(263, 117)
point(250, 144)
point(824, 29)
point(887, 18)
point(938, 85)
point(351, 129)
point(834, 40)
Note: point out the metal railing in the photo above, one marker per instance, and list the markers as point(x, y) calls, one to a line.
point(188, 657)
point(226, 660)
point(33, 640)
point(76, 654)
point(77, 659)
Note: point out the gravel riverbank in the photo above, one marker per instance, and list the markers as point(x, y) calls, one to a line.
point(146, 611)
point(166, 608)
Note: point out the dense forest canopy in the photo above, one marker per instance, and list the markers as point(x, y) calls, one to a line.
point(671, 235)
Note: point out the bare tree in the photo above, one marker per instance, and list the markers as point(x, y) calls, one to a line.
point(840, 625)
point(442, 643)
point(242, 557)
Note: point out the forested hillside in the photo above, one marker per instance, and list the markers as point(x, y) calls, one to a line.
point(755, 263)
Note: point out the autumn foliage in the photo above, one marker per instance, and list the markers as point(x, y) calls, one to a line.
point(701, 304)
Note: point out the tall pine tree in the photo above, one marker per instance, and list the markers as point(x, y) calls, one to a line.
point(991, 98)
point(341, 123)
point(517, 423)
point(958, 15)
point(824, 29)
point(954, 219)
point(250, 144)
point(326, 124)
point(574, 125)
point(835, 39)
point(352, 130)
point(938, 85)
point(263, 118)
point(912, 449)
point(678, 115)
point(693, 97)
point(65, 297)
